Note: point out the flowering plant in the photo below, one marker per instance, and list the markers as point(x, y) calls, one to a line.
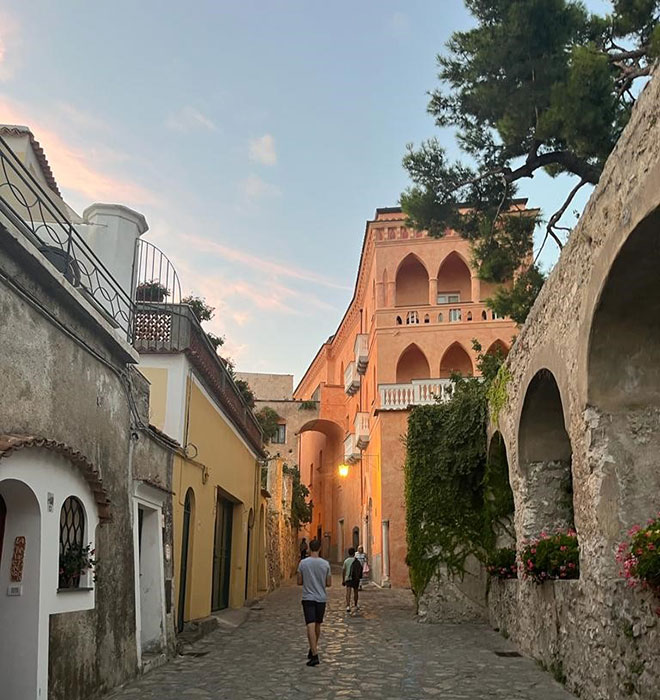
point(551, 557)
point(502, 563)
point(640, 556)
point(74, 563)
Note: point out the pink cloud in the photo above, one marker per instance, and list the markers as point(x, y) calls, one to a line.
point(75, 168)
point(203, 245)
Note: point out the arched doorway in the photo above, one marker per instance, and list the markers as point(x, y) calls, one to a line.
point(356, 537)
point(20, 600)
point(186, 547)
point(412, 364)
point(412, 282)
point(454, 360)
point(544, 455)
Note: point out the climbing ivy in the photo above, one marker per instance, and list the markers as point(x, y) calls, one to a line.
point(457, 500)
point(497, 394)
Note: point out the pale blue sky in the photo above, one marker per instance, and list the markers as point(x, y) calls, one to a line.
point(256, 137)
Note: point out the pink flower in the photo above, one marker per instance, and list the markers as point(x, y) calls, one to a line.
point(563, 548)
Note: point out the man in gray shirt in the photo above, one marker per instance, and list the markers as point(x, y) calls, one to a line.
point(314, 575)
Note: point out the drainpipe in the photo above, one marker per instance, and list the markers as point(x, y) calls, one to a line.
point(385, 582)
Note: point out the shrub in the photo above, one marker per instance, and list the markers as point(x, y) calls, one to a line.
point(640, 556)
point(502, 563)
point(551, 557)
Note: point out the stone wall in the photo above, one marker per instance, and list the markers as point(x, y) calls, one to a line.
point(282, 538)
point(584, 402)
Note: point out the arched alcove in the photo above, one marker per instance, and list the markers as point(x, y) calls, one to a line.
point(455, 359)
point(624, 379)
point(454, 279)
point(412, 282)
point(498, 346)
point(412, 364)
point(497, 491)
point(544, 456)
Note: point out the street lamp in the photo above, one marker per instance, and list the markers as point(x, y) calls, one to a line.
point(343, 470)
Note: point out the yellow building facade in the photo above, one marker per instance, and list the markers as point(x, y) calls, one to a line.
point(216, 487)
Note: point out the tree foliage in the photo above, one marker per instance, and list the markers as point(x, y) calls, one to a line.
point(268, 420)
point(301, 508)
point(202, 310)
point(457, 500)
point(536, 85)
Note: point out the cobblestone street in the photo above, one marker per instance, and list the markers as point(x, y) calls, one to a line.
point(380, 653)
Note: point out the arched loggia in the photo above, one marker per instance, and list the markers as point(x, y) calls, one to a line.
point(412, 282)
point(544, 456)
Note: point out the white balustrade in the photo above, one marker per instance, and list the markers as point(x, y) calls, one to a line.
point(351, 379)
point(362, 429)
point(351, 450)
point(419, 392)
point(361, 352)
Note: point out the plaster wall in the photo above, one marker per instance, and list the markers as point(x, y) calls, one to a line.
point(59, 390)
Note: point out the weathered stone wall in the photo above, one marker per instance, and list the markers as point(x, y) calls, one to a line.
point(595, 332)
point(55, 388)
point(282, 539)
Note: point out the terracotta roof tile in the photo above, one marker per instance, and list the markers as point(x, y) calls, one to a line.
point(12, 443)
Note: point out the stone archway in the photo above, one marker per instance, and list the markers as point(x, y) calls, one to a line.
point(623, 374)
point(454, 280)
point(544, 457)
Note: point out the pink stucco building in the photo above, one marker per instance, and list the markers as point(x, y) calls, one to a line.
point(417, 306)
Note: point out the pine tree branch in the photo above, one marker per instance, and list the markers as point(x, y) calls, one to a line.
point(554, 219)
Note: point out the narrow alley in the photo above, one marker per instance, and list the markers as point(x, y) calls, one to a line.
point(380, 653)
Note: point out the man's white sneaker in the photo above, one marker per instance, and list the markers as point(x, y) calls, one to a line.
point(348, 608)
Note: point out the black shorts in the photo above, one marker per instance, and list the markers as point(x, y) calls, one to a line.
point(313, 611)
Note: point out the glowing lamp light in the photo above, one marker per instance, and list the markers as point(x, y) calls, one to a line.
point(343, 470)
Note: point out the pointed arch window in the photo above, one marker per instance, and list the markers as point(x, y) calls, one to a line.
point(72, 551)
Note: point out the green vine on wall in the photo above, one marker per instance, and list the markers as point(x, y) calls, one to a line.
point(497, 393)
point(457, 500)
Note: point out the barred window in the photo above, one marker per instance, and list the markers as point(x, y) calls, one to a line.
point(72, 532)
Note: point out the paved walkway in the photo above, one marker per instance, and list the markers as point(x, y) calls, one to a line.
point(382, 653)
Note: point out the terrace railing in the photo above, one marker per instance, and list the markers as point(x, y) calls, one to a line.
point(36, 215)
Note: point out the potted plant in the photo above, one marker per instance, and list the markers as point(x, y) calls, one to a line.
point(550, 557)
point(640, 556)
point(74, 563)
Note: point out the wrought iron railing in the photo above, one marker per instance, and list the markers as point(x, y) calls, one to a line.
point(35, 214)
point(155, 278)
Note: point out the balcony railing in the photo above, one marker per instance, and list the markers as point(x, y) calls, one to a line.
point(419, 392)
point(351, 450)
point(361, 352)
point(173, 328)
point(351, 379)
point(34, 214)
point(466, 312)
point(362, 430)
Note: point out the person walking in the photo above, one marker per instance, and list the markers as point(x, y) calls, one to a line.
point(351, 573)
point(314, 575)
point(362, 558)
point(303, 549)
